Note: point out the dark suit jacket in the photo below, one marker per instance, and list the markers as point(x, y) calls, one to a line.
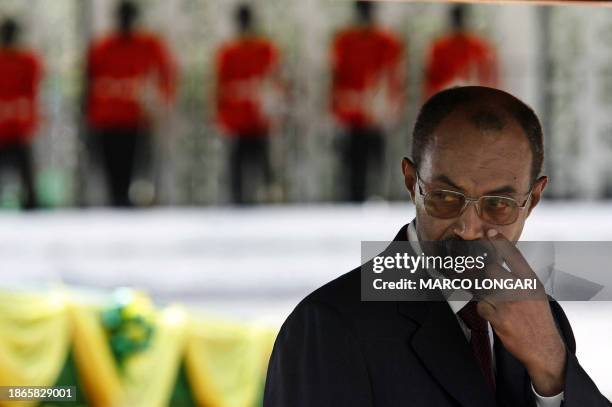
point(335, 350)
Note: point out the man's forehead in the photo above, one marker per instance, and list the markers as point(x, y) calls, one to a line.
point(481, 146)
point(484, 115)
point(477, 121)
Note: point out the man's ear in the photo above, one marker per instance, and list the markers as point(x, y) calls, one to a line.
point(409, 171)
point(536, 194)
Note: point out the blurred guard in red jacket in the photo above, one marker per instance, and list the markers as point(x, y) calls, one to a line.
point(460, 58)
point(367, 90)
point(20, 72)
point(246, 68)
point(130, 77)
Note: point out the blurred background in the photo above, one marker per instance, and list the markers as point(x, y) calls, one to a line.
point(556, 61)
point(229, 157)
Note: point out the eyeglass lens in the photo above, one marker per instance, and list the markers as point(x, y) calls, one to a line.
point(493, 209)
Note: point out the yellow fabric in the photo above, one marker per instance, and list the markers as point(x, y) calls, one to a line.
point(150, 376)
point(34, 339)
point(226, 362)
point(147, 378)
point(94, 359)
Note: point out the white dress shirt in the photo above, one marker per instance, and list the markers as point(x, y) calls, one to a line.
point(456, 305)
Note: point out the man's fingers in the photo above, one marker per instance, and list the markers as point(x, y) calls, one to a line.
point(496, 271)
point(487, 309)
point(511, 255)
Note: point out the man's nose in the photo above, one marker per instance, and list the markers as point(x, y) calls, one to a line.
point(468, 225)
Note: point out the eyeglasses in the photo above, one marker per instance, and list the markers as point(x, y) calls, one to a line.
point(494, 209)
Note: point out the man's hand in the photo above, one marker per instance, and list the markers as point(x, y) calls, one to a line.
point(527, 328)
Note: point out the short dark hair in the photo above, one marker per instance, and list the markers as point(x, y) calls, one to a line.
point(365, 10)
point(458, 14)
point(490, 102)
point(9, 31)
point(244, 16)
point(127, 13)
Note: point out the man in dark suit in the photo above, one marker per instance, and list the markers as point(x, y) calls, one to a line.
point(475, 175)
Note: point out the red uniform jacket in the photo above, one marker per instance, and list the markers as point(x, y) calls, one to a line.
point(460, 59)
point(243, 65)
point(365, 61)
point(20, 73)
point(126, 76)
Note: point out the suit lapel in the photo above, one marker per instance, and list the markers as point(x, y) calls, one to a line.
point(440, 344)
point(402, 235)
point(442, 348)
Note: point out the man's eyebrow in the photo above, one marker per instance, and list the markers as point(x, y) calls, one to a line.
point(506, 189)
point(446, 180)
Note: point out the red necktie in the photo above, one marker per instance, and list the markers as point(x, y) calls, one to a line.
point(479, 341)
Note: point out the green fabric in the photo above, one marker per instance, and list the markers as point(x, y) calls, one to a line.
point(181, 395)
point(69, 377)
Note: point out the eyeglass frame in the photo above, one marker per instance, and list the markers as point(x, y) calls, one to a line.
point(469, 200)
